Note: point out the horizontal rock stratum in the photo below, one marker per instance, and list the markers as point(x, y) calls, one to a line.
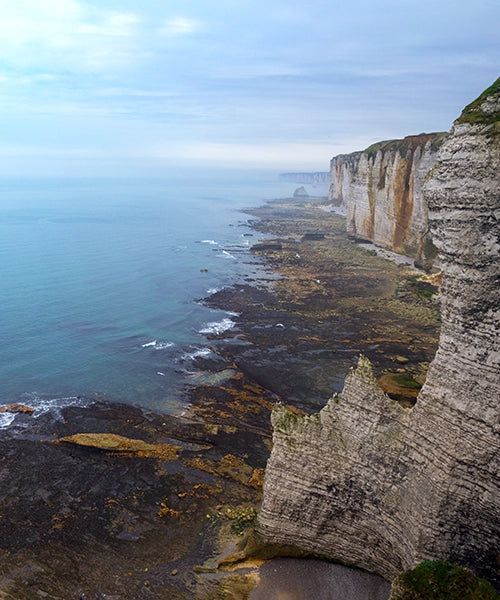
point(372, 484)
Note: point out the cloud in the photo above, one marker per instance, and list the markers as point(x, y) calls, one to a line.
point(277, 155)
point(177, 26)
point(233, 81)
point(111, 24)
point(115, 92)
point(64, 35)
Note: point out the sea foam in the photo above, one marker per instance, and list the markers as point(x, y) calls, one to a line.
point(43, 405)
point(158, 345)
point(6, 419)
point(199, 353)
point(217, 327)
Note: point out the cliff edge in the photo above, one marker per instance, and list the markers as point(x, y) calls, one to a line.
point(380, 190)
point(369, 483)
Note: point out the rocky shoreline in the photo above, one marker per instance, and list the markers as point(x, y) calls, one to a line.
point(327, 300)
point(148, 514)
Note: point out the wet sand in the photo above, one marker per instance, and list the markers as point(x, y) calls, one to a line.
point(298, 579)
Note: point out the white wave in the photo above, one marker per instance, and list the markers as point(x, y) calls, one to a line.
point(158, 345)
point(211, 242)
point(44, 405)
point(199, 353)
point(153, 343)
point(160, 373)
point(213, 290)
point(228, 254)
point(217, 327)
point(6, 419)
point(41, 406)
point(163, 345)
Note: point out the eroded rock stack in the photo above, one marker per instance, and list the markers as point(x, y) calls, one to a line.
point(381, 487)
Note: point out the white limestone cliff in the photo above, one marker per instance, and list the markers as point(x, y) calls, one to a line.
point(369, 483)
point(380, 190)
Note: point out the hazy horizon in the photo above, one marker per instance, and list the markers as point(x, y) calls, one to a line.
point(134, 89)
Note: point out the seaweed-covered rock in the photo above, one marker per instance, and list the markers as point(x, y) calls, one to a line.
point(440, 580)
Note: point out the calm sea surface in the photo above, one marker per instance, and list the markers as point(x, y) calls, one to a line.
point(99, 282)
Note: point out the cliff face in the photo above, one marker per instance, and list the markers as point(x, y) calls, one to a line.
point(372, 484)
point(381, 191)
point(316, 178)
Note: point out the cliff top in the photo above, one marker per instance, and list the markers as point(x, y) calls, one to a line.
point(410, 141)
point(485, 109)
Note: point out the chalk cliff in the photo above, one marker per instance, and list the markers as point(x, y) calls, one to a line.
point(372, 484)
point(381, 191)
point(316, 178)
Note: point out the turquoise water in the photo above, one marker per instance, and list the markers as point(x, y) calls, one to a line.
point(99, 281)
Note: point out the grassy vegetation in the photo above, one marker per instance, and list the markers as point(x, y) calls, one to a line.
point(374, 148)
point(440, 580)
point(430, 250)
point(474, 114)
point(403, 145)
point(438, 140)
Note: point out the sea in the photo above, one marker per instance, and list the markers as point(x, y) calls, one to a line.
point(102, 281)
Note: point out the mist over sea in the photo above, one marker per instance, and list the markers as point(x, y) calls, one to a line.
point(100, 280)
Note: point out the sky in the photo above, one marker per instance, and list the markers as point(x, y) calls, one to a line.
point(128, 87)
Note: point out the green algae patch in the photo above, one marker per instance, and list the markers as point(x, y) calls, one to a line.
point(406, 380)
point(440, 580)
point(401, 387)
point(242, 517)
point(118, 444)
point(421, 287)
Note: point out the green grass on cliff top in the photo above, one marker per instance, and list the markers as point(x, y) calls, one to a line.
point(474, 114)
point(404, 144)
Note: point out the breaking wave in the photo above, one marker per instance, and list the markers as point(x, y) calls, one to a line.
point(217, 327)
point(157, 345)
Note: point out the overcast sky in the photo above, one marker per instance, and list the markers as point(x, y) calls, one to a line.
point(125, 87)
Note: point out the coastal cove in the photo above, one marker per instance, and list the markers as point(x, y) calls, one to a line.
point(156, 519)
